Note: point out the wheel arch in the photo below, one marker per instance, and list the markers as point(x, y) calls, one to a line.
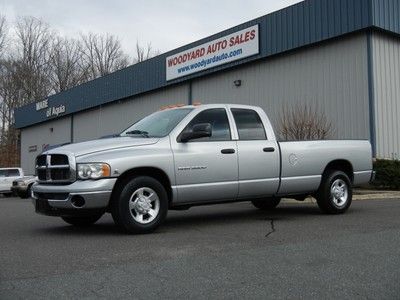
point(340, 165)
point(29, 189)
point(152, 172)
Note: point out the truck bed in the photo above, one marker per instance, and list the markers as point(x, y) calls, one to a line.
point(303, 162)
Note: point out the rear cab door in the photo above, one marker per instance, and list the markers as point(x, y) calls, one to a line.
point(258, 153)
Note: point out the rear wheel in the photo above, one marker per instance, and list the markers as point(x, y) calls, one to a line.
point(141, 205)
point(335, 193)
point(82, 221)
point(267, 203)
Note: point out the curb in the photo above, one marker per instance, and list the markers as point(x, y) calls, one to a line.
point(376, 196)
point(366, 194)
point(358, 195)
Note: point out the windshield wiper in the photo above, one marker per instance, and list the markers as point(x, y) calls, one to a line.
point(142, 133)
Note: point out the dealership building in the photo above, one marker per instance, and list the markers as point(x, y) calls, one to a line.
point(343, 56)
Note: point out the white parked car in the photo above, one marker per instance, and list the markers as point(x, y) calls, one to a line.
point(7, 176)
point(22, 186)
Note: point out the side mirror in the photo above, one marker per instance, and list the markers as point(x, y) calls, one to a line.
point(198, 131)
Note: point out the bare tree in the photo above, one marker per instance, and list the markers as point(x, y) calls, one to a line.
point(144, 53)
point(67, 69)
point(24, 79)
point(304, 122)
point(36, 62)
point(9, 96)
point(9, 92)
point(3, 34)
point(102, 54)
point(33, 45)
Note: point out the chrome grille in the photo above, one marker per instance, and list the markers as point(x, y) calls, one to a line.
point(41, 160)
point(54, 168)
point(59, 159)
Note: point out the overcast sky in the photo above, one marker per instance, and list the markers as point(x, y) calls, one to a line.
point(166, 24)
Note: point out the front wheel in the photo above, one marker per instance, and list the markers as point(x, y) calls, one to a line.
point(27, 194)
point(141, 205)
point(266, 204)
point(335, 193)
point(82, 221)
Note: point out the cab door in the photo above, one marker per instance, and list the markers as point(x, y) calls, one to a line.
point(259, 160)
point(206, 169)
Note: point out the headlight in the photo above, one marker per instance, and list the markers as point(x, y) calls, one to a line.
point(93, 170)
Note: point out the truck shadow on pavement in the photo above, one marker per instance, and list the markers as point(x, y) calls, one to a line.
point(211, 216)
point(249, 214)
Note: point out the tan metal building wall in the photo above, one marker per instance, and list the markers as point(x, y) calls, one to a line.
point(386, 75)
point(49, 133)
point(333, 76)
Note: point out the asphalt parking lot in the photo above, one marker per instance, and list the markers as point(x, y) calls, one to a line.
point(223, 251)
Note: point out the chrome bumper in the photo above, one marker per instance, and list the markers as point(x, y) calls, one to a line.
point(96, 194)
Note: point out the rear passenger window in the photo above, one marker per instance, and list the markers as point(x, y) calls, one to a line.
point(219, 122)
point(13, 173)
point(3, 173)
point(248, 124)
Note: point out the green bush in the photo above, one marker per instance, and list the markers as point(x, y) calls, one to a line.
point(387, 174)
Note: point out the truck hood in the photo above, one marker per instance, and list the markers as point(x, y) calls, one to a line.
point(100, 145)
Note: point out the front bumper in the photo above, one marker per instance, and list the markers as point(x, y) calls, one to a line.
point(58, 199)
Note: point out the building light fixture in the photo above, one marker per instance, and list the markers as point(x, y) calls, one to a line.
point(237, 82)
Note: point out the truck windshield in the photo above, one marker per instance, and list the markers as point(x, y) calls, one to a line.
point(158, 124)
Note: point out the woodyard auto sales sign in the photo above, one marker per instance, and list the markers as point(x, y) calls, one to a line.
point(236, 46)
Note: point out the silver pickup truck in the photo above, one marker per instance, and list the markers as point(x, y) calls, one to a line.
point(194, 155)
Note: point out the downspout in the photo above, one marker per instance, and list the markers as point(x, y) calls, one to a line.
point(190, 95)
point(371, 92)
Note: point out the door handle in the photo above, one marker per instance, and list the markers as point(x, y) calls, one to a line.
point(228, 151)
point(269, 149)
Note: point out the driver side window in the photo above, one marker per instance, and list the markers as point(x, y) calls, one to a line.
point(218, 119)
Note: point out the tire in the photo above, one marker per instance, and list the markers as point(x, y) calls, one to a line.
point(27, 194)
point(29, 191)
point(24, 196)
point(82, 221)
point(335, 193)
point(267, 203)
point(140, 206)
